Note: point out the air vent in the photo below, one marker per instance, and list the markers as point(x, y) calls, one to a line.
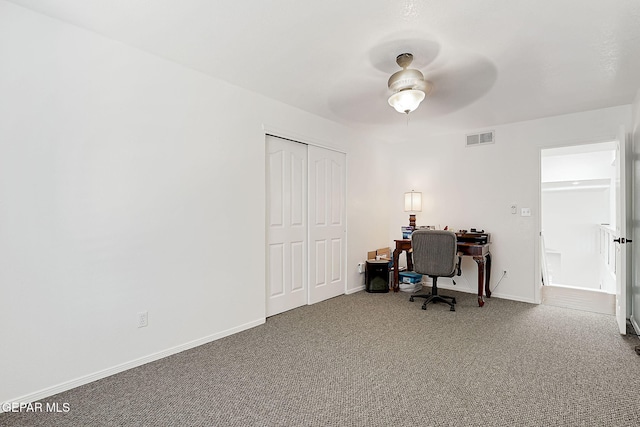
point(480, 138)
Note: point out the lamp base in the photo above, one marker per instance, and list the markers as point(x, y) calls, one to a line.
point(412, 220)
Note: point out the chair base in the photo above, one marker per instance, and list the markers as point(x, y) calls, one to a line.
point(434, 297)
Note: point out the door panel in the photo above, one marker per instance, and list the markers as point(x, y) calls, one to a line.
point(297, 266)
point(286, 225)
point(276, 258)
point(336, 262)
point(327, 200)
point(320, 263)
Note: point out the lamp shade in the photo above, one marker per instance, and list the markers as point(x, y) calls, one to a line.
point(407, 100)
point(413, 201)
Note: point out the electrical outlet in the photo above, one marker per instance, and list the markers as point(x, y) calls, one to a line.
point(361, 267)
point(143, 319)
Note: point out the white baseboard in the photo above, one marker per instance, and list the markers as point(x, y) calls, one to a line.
point(354, 290)
point(68, 385)
point(475, 291)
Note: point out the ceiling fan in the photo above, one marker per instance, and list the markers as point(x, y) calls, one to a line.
point(408, 86)
point(440, 80)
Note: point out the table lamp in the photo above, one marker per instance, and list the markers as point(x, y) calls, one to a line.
point(412, 204)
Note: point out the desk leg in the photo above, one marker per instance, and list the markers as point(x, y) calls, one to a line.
point(488, 291)
point(396, 273)
point(481, 272)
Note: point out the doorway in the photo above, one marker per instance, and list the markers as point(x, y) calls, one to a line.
point(577, 224)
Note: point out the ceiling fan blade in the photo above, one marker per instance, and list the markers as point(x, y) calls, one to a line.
point(456, 85)
point(349, 97)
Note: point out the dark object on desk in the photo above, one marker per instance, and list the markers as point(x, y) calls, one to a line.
point(434, 254)
point(474, 238)
point(477, 237)
point(376, 277)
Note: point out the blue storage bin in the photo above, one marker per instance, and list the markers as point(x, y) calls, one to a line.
point(410, 277)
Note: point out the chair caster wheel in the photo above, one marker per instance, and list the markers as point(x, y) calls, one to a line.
point(452, 308)
point(411, 299)
point(424, 307)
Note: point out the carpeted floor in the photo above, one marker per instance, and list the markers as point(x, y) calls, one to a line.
point(379, 360)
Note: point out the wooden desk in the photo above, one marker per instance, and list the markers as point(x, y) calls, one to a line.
point(479, 252)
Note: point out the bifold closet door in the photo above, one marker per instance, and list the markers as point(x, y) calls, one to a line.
point(327, 223)
point(286, 225)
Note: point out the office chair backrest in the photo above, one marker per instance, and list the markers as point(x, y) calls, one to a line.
point(434, 252)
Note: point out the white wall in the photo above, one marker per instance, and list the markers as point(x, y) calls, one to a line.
point(475, 187)
point(368, 216)
point(131, 183)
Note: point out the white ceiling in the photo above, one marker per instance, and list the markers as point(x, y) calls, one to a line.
point(491, 61)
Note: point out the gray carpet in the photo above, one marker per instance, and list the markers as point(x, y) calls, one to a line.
point(379, 360)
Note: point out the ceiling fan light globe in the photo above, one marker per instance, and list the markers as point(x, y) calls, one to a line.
point(406, 101)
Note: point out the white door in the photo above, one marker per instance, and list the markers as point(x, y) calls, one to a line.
point(286, 225)
point(621, 232)
point(327, 224)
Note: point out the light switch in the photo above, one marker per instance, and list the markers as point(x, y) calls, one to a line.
point(525, 212)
